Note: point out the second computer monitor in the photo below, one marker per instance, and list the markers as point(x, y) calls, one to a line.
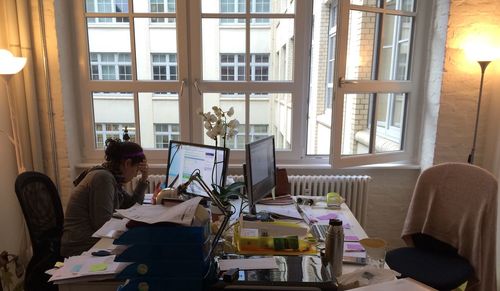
point(184, 158)
point(260, 170)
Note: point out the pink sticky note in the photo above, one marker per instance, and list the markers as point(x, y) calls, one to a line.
point(328, 216)
point(354, 247)
point(351, 238)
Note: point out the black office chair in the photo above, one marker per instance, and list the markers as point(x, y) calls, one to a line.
point(42, 210)
point(432, 262)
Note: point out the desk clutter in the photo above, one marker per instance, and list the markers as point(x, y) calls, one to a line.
point(155, 249)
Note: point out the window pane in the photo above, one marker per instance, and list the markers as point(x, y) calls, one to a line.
point(159, 118)
point(390, 116)
point(154, 6)
point(109, 52)
point(111, 123)
point(394, 60)
point(355, 124)
point(373, 3)
point(321, 78)
point(223, 51)
point(404, 5)
point(164, 133)
point(256, 6)
point(106, 6)
point(278, 115)
point(272, 57)
point(361, 45)
point(156, 60)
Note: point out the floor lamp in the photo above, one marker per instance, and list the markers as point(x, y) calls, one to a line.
point(9, 66)
point(484, 65)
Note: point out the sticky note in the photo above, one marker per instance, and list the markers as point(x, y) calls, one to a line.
point(328, 216)
point(354, 247)
point(76, 268)
point(98, 267)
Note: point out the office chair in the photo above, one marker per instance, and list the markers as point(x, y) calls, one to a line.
point(42, 210)
point(450, 228)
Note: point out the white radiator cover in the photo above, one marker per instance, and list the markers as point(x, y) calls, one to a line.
point(354, 189)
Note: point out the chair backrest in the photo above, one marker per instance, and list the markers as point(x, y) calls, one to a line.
point(42, 210)
point(456, 203)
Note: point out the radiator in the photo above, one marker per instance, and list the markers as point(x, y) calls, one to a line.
point(354, 189)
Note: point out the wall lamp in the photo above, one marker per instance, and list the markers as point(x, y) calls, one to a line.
point(9, 66)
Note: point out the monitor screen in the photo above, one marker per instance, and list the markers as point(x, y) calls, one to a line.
point(184, 158)
point(260, 170)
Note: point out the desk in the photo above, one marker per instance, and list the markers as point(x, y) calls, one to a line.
point(312, 210)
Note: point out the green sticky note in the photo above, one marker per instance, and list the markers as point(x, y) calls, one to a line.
point(98, 267)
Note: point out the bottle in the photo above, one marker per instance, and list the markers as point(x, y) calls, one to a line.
point(334, 246)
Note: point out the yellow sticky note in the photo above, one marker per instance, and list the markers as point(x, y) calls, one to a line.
point(98, 267)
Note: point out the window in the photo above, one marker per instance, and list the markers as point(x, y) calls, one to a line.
point(164, 66)
point(232, 67)
point(239, 6)
point(334, 81)
point(257, 132)
point(111, 66)
point(103, 131)
point(107, 6)
point(164, 133)
point(162, 6)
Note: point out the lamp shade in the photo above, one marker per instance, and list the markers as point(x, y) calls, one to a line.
point(9, 64)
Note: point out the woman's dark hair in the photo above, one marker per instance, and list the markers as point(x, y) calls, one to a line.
point(117, 151)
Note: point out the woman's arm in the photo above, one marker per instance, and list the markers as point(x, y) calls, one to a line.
point(101, 198)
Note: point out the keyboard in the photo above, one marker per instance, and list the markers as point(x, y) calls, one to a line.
point(319, 231)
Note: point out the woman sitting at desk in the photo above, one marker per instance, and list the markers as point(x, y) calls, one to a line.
point(99, 192)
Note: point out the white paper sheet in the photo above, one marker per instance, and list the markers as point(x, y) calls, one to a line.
point(85, 266)
point(113, 228)
point(182, 213)
point(248, 264)
point(288, 211)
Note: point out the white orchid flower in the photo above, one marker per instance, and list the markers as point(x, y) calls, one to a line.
point(207, 125)
point(212, 118)
point(211, 134)
point(232, 132)
point(230, 112)
point(233, 123)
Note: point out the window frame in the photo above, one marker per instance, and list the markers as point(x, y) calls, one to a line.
point(410, 128)
point(190, 99)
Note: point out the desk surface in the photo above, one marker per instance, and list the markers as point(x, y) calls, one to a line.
point(316, 211)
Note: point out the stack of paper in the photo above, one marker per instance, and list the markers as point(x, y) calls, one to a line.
point(86, 268)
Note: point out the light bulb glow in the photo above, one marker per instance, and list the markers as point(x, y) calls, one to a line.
point(9, 64)
point(481, 48)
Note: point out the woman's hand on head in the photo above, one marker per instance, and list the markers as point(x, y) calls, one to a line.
point(144, 169)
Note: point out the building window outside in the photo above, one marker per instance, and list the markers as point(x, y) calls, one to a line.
point(257, 132)
point(157, 6)
point(232, 67)
point(164, 133)
point(164, 66)
point(107, 6)
point(103, 131)
point(239, 6)
point(111, 66)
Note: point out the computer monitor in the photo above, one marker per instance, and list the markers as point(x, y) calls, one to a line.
point(260, 170)
point(184, 158)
